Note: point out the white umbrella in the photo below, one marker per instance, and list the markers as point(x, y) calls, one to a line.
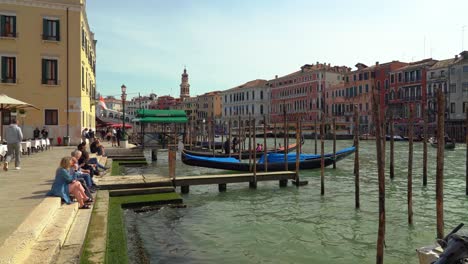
point(7, 103)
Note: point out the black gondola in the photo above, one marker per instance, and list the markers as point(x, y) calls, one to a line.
point(275, 161)
point(449, 144)
point(245, 154)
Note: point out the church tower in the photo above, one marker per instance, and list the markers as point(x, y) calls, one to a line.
point(184, 86)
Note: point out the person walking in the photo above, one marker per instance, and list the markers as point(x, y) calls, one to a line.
point(13, 136)
point(84, 135)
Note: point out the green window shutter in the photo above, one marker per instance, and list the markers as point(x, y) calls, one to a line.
point(44, 71)
point(14, 69)
point(2, 25)
point(45, 32)
point(14, 26)
point(55, 63)
point(4, 68)
point(58, 30)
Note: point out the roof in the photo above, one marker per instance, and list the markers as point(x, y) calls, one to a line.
point(418, 64)
point(250, 84)
point(442, 64)
point(151, 119)
point(160, 113)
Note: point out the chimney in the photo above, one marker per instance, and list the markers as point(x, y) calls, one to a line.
point(317, 63)
point(376, 63)
point(456, 56)
point(276, 76)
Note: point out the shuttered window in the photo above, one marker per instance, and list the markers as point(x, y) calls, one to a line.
point(8, 68)
point(51, 117)
point(8, 26)
point(49, 71)
point(51, 29)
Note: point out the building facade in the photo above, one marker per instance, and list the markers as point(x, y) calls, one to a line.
point(184, 86)
point(301, 95)
point(407, 88)
point(48, 59)
point(458, 89)
point(249, 100)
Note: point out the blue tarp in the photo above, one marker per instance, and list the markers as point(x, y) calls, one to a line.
point(230, 160)
point(272, 157)
point(291, 157)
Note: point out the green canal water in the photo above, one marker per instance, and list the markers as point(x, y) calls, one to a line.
point(298, 225)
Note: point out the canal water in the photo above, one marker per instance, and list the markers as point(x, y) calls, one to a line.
point(298, 225)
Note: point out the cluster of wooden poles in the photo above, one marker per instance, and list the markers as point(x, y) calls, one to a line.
point(380, 128)
point(380, 146)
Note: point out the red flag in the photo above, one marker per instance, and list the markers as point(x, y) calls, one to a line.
point(102, 103)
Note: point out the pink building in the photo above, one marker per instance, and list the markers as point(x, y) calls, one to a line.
point(301, 95)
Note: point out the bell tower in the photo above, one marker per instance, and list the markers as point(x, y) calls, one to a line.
point(184, 86)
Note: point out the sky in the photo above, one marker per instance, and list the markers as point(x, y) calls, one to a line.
point(145, 44)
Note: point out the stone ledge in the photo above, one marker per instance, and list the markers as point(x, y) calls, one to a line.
point(17, 247)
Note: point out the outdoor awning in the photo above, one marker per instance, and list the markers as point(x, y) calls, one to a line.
point(149, 119)
point(160, 113)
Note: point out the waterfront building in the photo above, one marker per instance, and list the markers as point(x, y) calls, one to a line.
point(437, 78)
point(209, 107)
point(164, 102)
point(301, 95)
point(189, 105)
point(139, 102)
point(407, 86)
point(48, 59)
point(248, 100)
point(458, 96)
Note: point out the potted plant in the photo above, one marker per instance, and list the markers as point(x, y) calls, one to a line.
point(13, 111)
point(124, 140)
point(22, 113)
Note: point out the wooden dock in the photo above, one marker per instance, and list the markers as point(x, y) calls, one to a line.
point(151, 181)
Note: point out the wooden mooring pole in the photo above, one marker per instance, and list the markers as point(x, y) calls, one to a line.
point(285, 146)
point(213, 132)
point(322, 158)
point(276, 146)
point(356, 158)
point(440, 163)
point(334, 143)
point(392, 147)
point(252, 133)
point(265, 148)
point(298, 138)
point(239, 133)
point(466, 156)
point(250, 143)
point(381, 179)
point(315, 132)
point(230, 137)
point(425, 115)
point(410, 166)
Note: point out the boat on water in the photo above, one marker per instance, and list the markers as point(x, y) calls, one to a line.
point(244, 154)
point(452, 249)
point(449, 144)
point(276, 161)
point(395, 138)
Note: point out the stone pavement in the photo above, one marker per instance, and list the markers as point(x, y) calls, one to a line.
point(22, 190)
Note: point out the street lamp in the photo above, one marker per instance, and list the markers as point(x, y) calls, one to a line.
point(203, 129)
point(124, 97)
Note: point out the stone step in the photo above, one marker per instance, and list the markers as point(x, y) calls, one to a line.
point(72, 247)
point(18, 246)
point(139, 191)
point(48, 244)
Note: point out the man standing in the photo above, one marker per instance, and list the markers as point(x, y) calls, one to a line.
point(13, 136)
point(36, 133)
point(84, 134)
point(227, 146)
point(45, 133)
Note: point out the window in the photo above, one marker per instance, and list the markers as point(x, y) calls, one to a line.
point(399, 77)
point(453, 88)
point(82, 78)
point(8, 70)
point(465, 68)
point(51, 117)
point(6, 117)
point(367, 88)
point(452, 108)
point(49, 71)
point(392, 78)
point(51, 29)
point(8, 26)
point(465, 106)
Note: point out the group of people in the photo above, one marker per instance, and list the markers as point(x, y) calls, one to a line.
point(75, 176)
point(38, 134)
point(113, 134)
point(227, 146)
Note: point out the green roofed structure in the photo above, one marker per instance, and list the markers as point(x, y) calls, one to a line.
point(161, 116)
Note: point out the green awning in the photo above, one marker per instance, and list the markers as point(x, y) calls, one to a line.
point(160, 113)
point(150, 119)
